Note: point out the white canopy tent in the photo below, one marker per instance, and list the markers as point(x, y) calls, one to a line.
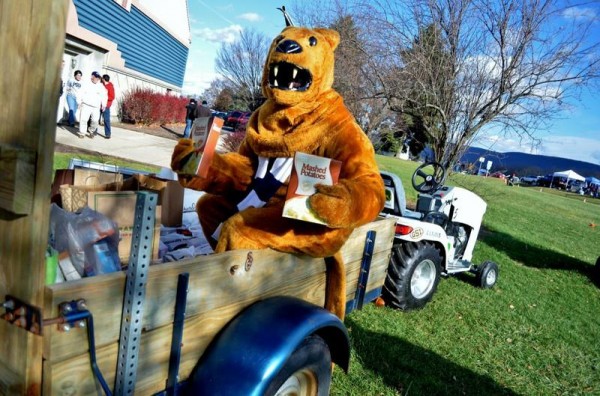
point(569, 175)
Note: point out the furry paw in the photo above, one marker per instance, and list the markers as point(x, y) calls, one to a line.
point(332, 204)
point(181, 154)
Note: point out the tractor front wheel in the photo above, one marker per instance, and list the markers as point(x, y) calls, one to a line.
point(413, 275)
point(487, 274)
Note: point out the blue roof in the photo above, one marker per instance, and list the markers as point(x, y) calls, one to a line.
point(145, 46)
point(592, 180)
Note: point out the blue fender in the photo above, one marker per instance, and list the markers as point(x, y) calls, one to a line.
point(247, 355)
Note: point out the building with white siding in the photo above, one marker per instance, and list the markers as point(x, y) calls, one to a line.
point(138, 43)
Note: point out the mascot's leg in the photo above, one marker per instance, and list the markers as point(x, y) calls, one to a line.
point(258, 228)
point(212, 211)
point(335, 293)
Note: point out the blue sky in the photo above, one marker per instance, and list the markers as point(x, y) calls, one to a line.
point(576, 135)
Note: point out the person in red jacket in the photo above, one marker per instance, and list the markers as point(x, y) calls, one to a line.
point(110, 92)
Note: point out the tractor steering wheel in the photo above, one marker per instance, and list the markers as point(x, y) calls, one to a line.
point(426, 181)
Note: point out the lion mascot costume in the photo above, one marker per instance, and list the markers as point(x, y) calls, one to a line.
point(246, 190)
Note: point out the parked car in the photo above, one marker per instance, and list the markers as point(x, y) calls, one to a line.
point(236, 117)
point(532, 180)
point(545, 181)
point(577, 186)
point(220, 114)
point(499, 175)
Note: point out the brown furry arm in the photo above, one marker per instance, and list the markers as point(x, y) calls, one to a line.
point(359, 195)
point(228, 172)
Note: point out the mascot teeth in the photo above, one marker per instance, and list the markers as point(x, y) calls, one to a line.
point(289, 77)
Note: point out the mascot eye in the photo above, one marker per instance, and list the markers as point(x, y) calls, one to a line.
point(312, 41)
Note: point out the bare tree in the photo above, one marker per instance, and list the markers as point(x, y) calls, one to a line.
point(355, 76)
point(507, 66)
point(241, 64)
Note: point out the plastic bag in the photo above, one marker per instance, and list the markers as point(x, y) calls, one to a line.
point(87, 241)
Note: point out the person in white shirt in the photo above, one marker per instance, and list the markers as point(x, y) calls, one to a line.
point(73, 87)
point(91, 98)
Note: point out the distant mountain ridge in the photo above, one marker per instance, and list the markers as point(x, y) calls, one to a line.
point(529, 164)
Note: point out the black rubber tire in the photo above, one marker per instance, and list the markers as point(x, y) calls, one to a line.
point(405, 258)
point(485, 278)
point(312, 356)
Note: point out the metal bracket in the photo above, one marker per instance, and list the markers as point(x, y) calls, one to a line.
point(135, 292)
point(23, 315)
point(177, 336)
point(365, 267)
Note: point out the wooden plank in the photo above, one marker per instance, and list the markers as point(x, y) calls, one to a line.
point(353, 249)
point(377, 275)
point(199, 330)
point(219, 288)
point(211, 286)
point(32, 40)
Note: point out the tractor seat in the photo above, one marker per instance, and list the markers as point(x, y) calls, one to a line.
point(395, 200)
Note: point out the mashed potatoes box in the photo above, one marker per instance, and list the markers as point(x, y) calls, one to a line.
point(205, 134)
point(308, 171)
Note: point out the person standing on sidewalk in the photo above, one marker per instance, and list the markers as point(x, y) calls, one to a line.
point(110, 94)
point(190, 116)
point(73, 88)
point(91, 99)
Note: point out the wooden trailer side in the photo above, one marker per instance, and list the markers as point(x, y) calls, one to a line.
point(31, 43)
point(219, 288)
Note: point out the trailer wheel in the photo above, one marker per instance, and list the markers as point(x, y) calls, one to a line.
point(307, 372)
point(413, 275)
point(487, 274)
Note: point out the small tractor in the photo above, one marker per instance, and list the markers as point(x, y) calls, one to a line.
point(437, 239)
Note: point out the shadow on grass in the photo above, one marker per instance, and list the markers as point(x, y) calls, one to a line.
point(412, 370)
point(535, 257)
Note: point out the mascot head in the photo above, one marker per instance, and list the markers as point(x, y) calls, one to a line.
point(299, 65)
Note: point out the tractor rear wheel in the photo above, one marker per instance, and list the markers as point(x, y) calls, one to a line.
point(413, 275)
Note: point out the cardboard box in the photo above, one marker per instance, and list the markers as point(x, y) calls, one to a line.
point(92, 177)
point(170, 195)
point(119, 206)
point(170, 198)
point(308, 170)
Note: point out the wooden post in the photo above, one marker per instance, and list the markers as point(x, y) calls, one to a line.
point(32, 37)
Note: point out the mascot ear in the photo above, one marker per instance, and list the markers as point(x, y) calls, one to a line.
point(332, 37)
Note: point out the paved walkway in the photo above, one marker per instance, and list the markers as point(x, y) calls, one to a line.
point(126, 144)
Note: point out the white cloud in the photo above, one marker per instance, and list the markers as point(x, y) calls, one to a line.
point(579, 13)
point(578, 148)
point(250, 17)
point(224, 35)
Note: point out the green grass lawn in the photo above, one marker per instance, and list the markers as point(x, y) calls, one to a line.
point(61, 161)
point(537, 332)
